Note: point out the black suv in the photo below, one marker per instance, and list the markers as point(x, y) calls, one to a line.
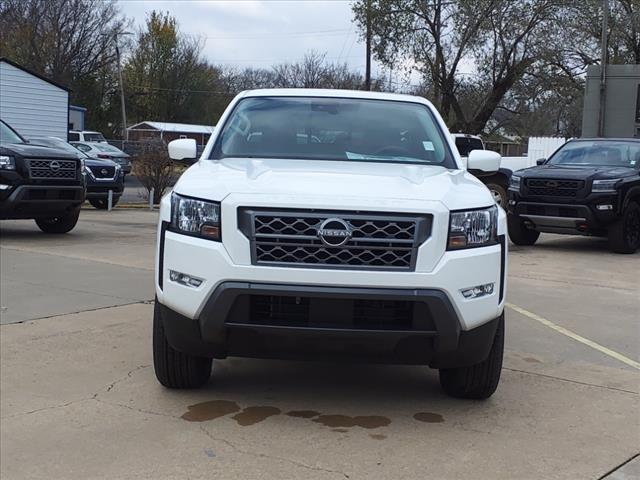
point(101, 175)
point(41, 183)
point(587, 187)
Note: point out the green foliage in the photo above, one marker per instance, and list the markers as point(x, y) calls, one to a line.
point(167, 79)
point(71, 42)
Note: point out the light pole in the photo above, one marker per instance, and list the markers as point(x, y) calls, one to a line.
point(125, 132)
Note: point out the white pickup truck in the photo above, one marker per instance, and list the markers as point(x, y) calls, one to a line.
point(331, 224)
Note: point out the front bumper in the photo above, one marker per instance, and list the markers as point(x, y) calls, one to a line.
point(34, 201)
point(329, 327)
point(579, 218)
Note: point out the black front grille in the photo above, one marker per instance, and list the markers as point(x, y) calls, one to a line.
point(376, 240)
point(44, 169)
point(103, 172)
point(553, 188)
point(333, 313)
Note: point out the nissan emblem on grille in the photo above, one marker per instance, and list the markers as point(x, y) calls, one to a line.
point(55, 166)
point(551, 184)
point(104, 171)
point(334, 232)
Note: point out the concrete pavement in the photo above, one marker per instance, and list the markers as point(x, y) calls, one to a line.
point(78, 397)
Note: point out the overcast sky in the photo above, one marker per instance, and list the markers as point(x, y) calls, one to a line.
point(259, 33)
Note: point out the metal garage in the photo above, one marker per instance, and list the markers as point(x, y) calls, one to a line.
point(31, 103)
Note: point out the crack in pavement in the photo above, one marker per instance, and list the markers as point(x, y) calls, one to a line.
point(571, 381)
point(128, 375)
point(50, 407)
point(134, 409)
point(138, 302)
point(273, 457)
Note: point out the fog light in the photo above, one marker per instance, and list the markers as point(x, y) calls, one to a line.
point(184, 279)
point(479, 291)
point(604, 207)
point(512, 202)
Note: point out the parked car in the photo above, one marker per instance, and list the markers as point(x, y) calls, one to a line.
point(106, 151)
point(496, 182)
point(587, 187)
point(366, 238)
point(86, 136)
point(40, 183)
point(101, 175)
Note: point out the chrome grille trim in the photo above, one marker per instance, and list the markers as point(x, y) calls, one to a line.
point(97, 172)
point(379, 241)
point(40, 169)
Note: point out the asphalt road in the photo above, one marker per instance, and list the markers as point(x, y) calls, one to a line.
point(78, 397)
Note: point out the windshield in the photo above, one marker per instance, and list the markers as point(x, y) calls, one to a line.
point(333, 129)
point(609, 153)
point(466, 144)
point(94, 137)
point(8, 136)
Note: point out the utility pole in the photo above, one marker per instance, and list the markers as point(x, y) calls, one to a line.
point(603, 67)
point(367, 75)
point(125, 132)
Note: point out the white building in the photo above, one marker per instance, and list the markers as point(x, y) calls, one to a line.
point(32, 104)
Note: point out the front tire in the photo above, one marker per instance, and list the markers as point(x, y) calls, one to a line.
point(62, 224)
point(176, 369)
point(499, 194)
point(478, 381)
point(519, 233)
point(624, 235)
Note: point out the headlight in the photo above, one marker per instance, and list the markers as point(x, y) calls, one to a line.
point(198, 218)
point(514, 183)
point(473, 228)
point(7, 163)
point(604, 185)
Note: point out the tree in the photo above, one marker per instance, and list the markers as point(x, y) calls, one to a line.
point(69, 41)
point(495, 41)
point(166, 77)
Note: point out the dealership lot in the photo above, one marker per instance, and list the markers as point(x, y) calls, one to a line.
point(80, 400)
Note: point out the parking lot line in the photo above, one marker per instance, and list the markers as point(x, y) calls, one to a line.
point(575, 336)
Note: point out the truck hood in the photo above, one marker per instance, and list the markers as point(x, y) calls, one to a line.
point(577, 173)
point(34, 151)
point(214, 180)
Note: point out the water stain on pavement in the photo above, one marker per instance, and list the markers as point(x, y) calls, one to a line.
point(303, 413)
point(377, 436)
point(336, 421)
point(340, 430)
point(253, 415)
point(429, 417)
point(201, 412)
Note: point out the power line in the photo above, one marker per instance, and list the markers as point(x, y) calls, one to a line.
point(324, 33)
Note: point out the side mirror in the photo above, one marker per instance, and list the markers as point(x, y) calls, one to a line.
point(183, 150)
point(541, 161)
point(484, 160)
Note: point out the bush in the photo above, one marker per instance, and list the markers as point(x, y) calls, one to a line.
point(154, 169)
